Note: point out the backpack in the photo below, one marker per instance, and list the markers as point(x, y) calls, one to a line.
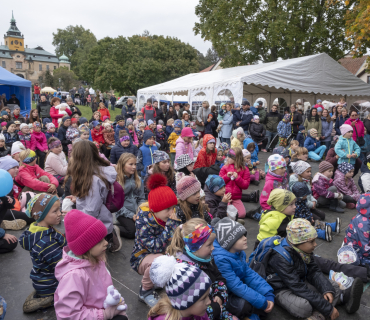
point(115, 197)
point(259, 258)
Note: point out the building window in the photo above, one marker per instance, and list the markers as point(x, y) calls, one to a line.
point(3, 64)
point(18, 65)
point(47, 67)
point(55, 67)
point(40, 67)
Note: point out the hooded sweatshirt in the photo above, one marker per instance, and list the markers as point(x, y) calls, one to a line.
point(183, 147)
point(205, 159)
point(273, 181)
point(346, 146)
point(94, 203)
point(82, 288)
point(45, 246)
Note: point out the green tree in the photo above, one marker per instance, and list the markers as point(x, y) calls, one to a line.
point(47, 78)
point(68, 79)
point(75, 42)
point(128, 64)
point(247, 31)
point(204, 61)
point(212, 55)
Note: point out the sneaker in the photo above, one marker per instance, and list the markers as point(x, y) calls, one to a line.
point(16, 224)
point(339, 223)
point(33, 304)
point(255, 183)
point(150, 297)
point(336, 209)
point(257, 216)
point(117, 241)
point(350, 206)
point(352, 296)
point(264, 150)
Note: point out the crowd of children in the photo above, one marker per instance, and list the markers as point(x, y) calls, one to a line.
point(181, 199)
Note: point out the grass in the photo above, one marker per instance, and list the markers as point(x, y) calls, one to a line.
point(87, 113)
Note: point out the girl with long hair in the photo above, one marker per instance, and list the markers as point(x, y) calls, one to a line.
point(134, 194)
point(103, 110)
point(313, 121)
point(171, 114)
point(327, 128)
point(34, 116)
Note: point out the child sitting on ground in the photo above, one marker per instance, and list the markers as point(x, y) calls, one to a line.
point(125, 146)
point(155, 224)
point(254, 173)
point(220, 158)
point(82, 273)
point(173, 138)
point(324, 229)
point(284, 130)
point(184, 144)
point(145, 153)
point(238, 137)
point(193, 127)
point(188, 300)
point(249, 294)
point(301, 136)
point(236, 177)
point(140, 132)
point(193, 245)
point(301, 154)
point(198, 145)
point(11, 134)
point(50, 131)
point(209, 125)
point(56, 163)
point(346, 185)
point(151, 126)
point(189, 204)
point(324, 191)
point(216, 197)
point(161, 137)
point(108, 135)
point(294, 145)
point(119, 126)
point(4, 150)
point(45, 245)
point(251, 147)
point(27, 139)
point(313, 145)
point(132, 132)
point(346, 148)
point(41, 147)
point(169, 127)
point(72, 131)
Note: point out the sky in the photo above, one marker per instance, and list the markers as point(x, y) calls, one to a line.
point(37, 20)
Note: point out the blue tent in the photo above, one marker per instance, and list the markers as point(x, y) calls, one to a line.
point(12, 84)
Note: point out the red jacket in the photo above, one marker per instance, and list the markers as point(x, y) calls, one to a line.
point(28, 177)
point(36, 89)
point(235, 187)
point(148, 108)
point(204, 159)
point(97, 135)
point(104, 112)
point(54, 114)
point(40, 138)
point(28, 143)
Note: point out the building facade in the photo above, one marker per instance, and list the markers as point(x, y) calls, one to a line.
point(28, 63)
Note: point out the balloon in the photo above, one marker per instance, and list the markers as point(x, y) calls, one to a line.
point(6, 183)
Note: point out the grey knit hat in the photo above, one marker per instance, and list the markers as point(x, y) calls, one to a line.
point(183, 161)
point(228, 232)
point(159, 156)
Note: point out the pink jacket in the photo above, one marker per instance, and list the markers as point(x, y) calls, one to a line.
point(184, 148)
point(40, 138)
point(359, 127)
point(348, 189)
point(82, 289)
point(135, 141)
point(56, 164)
point(28, 144)
point(163, 317)
point(273, 181)
point(28, 176)
point(54, 114)
point(235, 187)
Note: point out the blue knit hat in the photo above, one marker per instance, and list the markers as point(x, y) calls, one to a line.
point(45, 121)
point(147, 135)
point(300, 189)
point(177, 124)
point(4, 113)
point(214, 183)
point(83, 120)
point(345, 167)
point(281, 151)
point(95, 123)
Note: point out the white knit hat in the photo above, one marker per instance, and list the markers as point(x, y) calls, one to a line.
point(2, 138)
point(22, 126)
point(17, 147)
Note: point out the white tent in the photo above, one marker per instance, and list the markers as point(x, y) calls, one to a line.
point(310, 78)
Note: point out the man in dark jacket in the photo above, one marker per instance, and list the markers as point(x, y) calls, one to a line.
point(113, 101)
point(262, 113)
point(272, 120)
point(243, 117)
point(14, 100)
point(74, 109)
point(129, 111)
point(17, 115)
point(340, 120)
point(43, 107)
point(159, 112)
point(62, 133)
point(296, 119)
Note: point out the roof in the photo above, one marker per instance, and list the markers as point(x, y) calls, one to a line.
point(63, 58)
point(8, 78)
point(353, 65)
point(39, 53)
point(318, 74)
point(208, 68)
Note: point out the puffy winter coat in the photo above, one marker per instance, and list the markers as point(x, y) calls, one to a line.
point(273, 223)
point(62, 135)
point(327, 128)
point(109, 137)
point(97, 135)
point(118, 150)
point(48, 135)
point(235, 187)
point(28, 140)
point(184, 148)
point(54, 114)
point(348, 188)
point(10, 139)
point(209, 126)
point(217, 208)
point(195, 213)
point(150, 237)
point(273, 181)
point(4, 151)
point(28, 177)
point(272, 121)
point(313, 124)
point(301, 136)
point(284, 129)
point(340, 120)
point(116, 132)
point(346, 146)
point(172, 141)
point(320, 186)
point(311, 144)
point(40, 138)
point(244, 117)
point(240, 279)
point(145, 158)
point(82, 288)
point(331, 157)
point(104, 112)
point(296, 117)
point(282, 275)
point(257, 132)
point(359, 127)
point(227, 125)
point(205, 159)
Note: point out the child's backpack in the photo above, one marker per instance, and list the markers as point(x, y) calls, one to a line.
point(259, 258)
point(115, 197)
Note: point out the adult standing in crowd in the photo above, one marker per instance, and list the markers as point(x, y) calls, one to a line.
point(295, 119)
point(202, 116)
point(261, 113)
point(74, 109)
point(14, 100)
point(357, 124)
point(171, 114)
point(129, 110)
point(187, 109)
point(178, 110)
point(158, 111)
point(227, 125)
point(272, 120)
point(92, 96)
point(214, 118)
point(367, 123)
point(148, 111)
point(106, 99)
point(113, 101)
point(341, 119)
point(36, 91)
point(327, 128)
point(95, 103)
point(72, 92)
point(17, 115)
point(81, 92)
point(313, 121)
point(243, 117)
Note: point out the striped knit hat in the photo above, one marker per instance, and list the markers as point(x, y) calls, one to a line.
point(325, 165)
point(187, 186)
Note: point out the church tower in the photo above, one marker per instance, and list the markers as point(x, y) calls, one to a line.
point(14, 40)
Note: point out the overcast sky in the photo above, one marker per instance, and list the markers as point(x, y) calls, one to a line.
point(37, 20)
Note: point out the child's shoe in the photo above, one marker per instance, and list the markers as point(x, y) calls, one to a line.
point(255, 183)
point(251, 197)
point(335, 226)
point(336, 209)
point(325, 234)
point(116, 242)
point(16, 224)
point(316, 316)
point(257, 216)
point(350, 206)
point(150, 297)
point(33, 304)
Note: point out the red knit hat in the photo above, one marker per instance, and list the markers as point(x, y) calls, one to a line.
point(74, 120)
point(160, 196)
point(83, 231)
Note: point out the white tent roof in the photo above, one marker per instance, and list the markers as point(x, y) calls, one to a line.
point(318, 74)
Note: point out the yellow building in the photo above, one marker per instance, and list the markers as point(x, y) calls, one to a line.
point(25, 62)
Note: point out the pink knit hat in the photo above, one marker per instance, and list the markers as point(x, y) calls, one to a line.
point(344, 128)
point(187, 132)
point(83, 231)
point(186, 187)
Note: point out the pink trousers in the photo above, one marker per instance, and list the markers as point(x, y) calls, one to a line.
point(238, 204)
point(144, 269)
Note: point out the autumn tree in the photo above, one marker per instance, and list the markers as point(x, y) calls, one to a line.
point(65, 78)
point(247, 31)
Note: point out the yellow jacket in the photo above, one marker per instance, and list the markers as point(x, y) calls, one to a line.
point(172, 141)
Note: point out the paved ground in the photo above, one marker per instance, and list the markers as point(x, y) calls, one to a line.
point(15, 284)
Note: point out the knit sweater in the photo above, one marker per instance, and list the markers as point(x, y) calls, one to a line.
point(56, 164)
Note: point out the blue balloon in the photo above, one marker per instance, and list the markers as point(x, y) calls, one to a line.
point(6, 183)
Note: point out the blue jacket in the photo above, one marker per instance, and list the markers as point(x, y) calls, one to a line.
point(340, 120)
point(118, 150)
point(311, 144)
point(116, 132)
point(326, 129)
point(169, 130)
point(227, 125)
point(9, 140)
point(240, 279)
point(49, 135)
point(254, 111)
point(346, 146)
point(247, 141)
point(301, 136)
point(46, 249)
point(208, 127)
point(284, 129)
point(145, 157)
point(244, 117)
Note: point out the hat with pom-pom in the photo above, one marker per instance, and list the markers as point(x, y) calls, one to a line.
point(83, 231)
point(160, 196)
point(185, 284)
point(187, 186)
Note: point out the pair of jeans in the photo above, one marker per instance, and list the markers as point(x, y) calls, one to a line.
point(317, 154)
point(37, 96)
point(227, 140)
point(270, 135)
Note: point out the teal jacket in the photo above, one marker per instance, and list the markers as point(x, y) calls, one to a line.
point(346, 146)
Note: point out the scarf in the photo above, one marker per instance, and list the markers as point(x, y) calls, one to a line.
point(306, 257)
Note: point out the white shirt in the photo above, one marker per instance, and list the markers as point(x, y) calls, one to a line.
point(92, 91)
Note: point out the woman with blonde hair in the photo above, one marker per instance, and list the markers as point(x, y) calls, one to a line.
point(202, 116)
point(134, 194)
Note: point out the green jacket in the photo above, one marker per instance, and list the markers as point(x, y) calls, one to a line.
point(262, 114)
point(313, 124)
point(273, 223)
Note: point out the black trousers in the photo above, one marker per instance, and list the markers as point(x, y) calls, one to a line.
point(127, 227)
point(349, 199)
point(41, 158)
point(264, 144)
point(318, 214)
point(242, 308)
point(6, 247)
point(17, 215)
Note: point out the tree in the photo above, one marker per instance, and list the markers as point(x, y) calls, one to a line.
point(47, 79)
point(212, 55)
point(68, 79)
point(75, 42)
point(247, 31)
point(128, 64)
point(203, 61)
